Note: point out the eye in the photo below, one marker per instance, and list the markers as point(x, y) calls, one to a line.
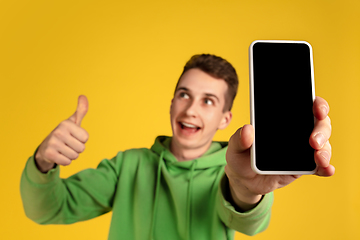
point(184, 95)
point(208, 101)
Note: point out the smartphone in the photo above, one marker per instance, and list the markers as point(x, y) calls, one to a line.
point(281, 102)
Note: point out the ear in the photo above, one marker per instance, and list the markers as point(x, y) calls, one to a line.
point(225, 121)
point(172, 100)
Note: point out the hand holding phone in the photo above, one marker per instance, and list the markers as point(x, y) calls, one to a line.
point(286, 119)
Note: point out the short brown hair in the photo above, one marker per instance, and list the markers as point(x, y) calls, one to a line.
point(216, 67)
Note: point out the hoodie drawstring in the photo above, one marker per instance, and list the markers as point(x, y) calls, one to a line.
point(188, 201)
point(157, 190)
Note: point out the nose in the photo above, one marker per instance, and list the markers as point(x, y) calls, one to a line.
point(191, 109)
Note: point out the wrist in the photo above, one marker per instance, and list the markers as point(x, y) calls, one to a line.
point(242, 197)
point(42, 165)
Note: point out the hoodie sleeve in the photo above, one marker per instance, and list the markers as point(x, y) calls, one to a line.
point(48, 199)
point(251, 222)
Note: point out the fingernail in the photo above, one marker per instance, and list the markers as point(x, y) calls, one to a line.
point(324, 109)
point(320, 139)
point(325, 155)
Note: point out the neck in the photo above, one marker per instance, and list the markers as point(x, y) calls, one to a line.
point(187, 154)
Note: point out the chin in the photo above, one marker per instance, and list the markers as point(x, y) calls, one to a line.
point(185, 143)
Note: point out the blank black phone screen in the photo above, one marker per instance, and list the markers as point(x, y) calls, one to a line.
point(283, 101)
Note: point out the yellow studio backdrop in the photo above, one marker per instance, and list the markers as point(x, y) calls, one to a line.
point(126, 57)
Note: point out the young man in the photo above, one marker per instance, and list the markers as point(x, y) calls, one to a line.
point(183, 187)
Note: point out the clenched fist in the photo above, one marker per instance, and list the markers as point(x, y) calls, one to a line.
point(65, 142)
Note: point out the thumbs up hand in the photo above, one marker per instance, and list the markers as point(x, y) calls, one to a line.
point(65, 142)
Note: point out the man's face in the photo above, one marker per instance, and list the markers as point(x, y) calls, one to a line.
point(197, 109)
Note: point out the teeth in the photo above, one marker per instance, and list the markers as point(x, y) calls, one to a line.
point(188, 125)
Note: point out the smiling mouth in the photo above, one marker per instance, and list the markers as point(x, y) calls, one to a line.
point(184, 124)
point(189, 127)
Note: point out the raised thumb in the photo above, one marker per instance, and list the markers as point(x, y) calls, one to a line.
point(81, 110)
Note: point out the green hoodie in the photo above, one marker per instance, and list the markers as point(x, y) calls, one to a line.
point(151, 194)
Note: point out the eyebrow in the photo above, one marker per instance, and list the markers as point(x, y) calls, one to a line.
point(182, 88)
point(206, 94)
point(212, 95)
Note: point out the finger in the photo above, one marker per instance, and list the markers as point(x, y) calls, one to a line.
point(326, 172)
point(81, 110)
point(320, 134)
point(68, 129)
point(59, 153)
point(62, 160)
point(72, 136)
point(80, 134)
point(320, 108)
point(75, 144)
point(68, 152)
point(54, 156)
point(323, 156)
point(242, 139)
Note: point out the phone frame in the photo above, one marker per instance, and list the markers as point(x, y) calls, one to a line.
point(252, 106)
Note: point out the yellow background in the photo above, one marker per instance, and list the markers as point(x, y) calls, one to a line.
point(126, 56)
